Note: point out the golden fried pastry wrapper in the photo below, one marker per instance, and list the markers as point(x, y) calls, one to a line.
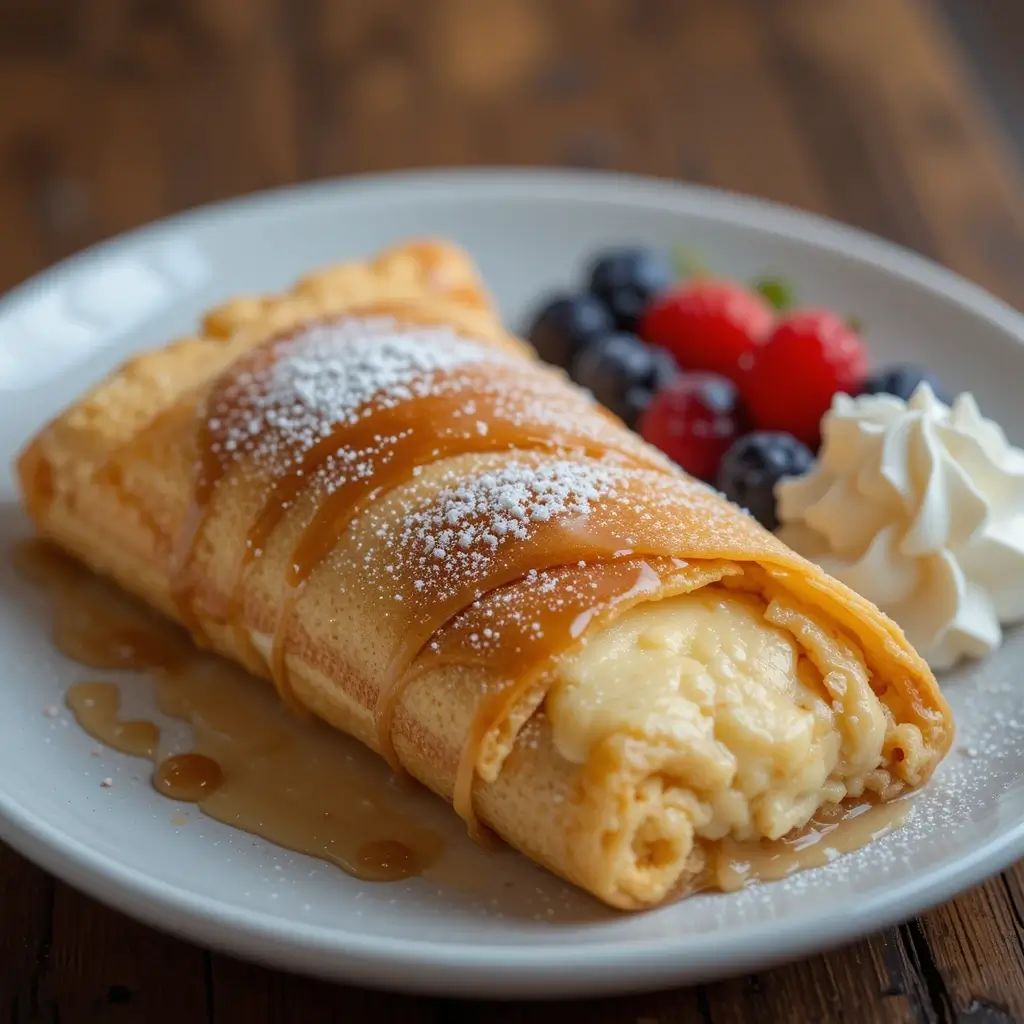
point(366, 490)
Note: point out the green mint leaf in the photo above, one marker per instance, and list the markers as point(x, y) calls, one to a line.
point(688, 262)
point(776, 292)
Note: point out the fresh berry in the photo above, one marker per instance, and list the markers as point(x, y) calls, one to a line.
point(752, 467)
point(626, 280)
point(693, 421)
point(809, 356)
point(566, 324)
point(709, 325)
point(902, 381)
point(623, 373)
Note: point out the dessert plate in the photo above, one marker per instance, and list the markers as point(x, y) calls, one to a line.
point(511, 930)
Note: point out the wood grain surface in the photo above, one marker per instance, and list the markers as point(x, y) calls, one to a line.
point(881, 113)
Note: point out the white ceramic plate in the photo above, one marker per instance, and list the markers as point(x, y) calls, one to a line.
point(531, 935)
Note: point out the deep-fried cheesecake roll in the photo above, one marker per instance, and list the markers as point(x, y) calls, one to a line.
point(378, 499)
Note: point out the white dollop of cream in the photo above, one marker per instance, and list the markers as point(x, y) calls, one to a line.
point(919, 507)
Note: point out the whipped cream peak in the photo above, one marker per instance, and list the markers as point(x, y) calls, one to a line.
point(919, 506)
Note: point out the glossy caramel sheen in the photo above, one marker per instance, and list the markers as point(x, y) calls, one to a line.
point(832, 832)
point(497, 404)
point(191, 777)
point(94, 624)
point(387, 860)
point(95, 707)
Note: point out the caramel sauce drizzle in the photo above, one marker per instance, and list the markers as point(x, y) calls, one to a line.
point(189, 777)
point(95, 624)
point(475, 405)
point(482, 407)
point(423, 432)
point(96, 706)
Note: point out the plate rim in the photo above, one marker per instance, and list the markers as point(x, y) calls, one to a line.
point(497, 970)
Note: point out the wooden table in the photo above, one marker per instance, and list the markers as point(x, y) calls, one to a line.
point(115, 112)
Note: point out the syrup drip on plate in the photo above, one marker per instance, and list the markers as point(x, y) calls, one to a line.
point(94, 623)
point(189, 777)
point(252, 765)
point(832, 832)
point(95, 707)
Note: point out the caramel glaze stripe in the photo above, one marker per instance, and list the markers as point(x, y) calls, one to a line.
point(427, 431)
point(572, 602)
point(505, 403)
point(292, 458)
point(600, 512)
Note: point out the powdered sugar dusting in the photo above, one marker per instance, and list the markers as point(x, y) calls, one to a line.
point(446, 535)
point(333, 381)
point(289, 398)
point(454, 534)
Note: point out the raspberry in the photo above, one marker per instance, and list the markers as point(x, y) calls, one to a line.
point(709, 325)
point(810, 356)
point(693, 420)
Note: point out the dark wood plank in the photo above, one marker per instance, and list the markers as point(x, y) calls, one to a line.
point(33, 195)
point(990, 34)
point(865, 982)
point(686, 1006)
point(977, 943)
point(105, 967)
point(908, 151)
point(26, 896)
point(242, 992)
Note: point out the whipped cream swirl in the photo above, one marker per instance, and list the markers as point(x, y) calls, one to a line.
point(919, 507)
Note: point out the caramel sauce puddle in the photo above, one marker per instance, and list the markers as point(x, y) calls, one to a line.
point(831, 832)
point(251, 766)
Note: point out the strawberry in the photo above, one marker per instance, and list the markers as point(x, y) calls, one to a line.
point(811, 355)
point(709, 325)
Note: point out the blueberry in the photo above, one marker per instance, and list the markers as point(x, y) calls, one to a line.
point(623, 373)
point(626, 280)
point(664, 369)
point(567, 323)
point(902, 381)
point(752, 467)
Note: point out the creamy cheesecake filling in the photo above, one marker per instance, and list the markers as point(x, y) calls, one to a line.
point(749, 713)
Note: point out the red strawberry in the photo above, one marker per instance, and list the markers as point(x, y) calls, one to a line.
point(709, 325)
point(693, 420)
point(810, 356)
